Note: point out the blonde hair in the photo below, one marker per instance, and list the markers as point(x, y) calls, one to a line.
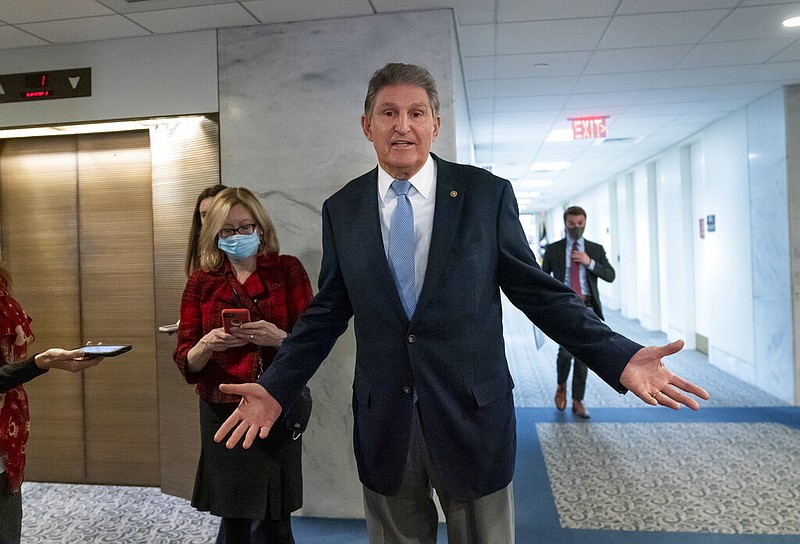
point(211, 257)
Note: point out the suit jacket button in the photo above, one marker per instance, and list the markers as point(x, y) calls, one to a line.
point(411, 338)
point(406, 390)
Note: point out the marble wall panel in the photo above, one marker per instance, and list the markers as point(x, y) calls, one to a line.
point(769, 223)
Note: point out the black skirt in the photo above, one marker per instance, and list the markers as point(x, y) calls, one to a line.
point(262, 482)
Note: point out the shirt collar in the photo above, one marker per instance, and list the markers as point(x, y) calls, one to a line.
point(422, 180)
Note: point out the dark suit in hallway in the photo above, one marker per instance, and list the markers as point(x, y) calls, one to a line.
point(559, 258)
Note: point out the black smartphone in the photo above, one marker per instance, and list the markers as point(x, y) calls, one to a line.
point(105, 351)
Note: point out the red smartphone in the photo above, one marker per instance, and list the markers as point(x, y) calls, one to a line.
point(234, 317)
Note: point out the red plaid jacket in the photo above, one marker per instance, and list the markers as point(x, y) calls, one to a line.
point(279, 288)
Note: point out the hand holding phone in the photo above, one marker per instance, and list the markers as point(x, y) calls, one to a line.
point(234, 317)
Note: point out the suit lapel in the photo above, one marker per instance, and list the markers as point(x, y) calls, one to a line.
point(449, 202)
point(367, 226)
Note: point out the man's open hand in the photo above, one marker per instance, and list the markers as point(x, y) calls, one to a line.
point(650, 380)
point(255, 415)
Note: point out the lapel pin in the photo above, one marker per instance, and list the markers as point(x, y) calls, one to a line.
point(454, 193)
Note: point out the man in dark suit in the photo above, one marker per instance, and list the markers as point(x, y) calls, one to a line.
point(575, 260)
point(432, 394)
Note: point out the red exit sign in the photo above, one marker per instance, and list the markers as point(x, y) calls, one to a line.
point(589, 127)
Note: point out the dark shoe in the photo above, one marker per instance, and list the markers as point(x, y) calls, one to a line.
point(561, 397)
point(579, 410)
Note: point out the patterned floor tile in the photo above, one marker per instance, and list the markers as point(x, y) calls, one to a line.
point(735, 478)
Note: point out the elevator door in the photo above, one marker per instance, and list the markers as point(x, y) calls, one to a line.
point(77, 237)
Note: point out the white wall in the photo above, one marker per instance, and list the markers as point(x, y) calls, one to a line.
point(727, 274)
point(644, 255)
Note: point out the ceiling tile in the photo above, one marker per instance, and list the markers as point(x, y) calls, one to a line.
point(479, 67)
point(481, 105)
point(631, 7)
point(534, 86)
point(762, 22)
point(480, 88)
point(786, 72)
point(609, 61)
point(584, 100)
point(527, 10)
point(530, 103)
point(280, 11)
point(472, 12)
point(99, 28)
point(708, 76)
point(541, 37)
point(542, 64)
point(732, 53)
point(26, 11)
point(527, 118)
point(749, 91)
point(11, 38)
point(604, 83)
point(791, 53)
point(476, 40)
point(194, 18)
point(660, 29)
point(124, 6)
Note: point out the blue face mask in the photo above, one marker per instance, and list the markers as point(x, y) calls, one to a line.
point(239, 246)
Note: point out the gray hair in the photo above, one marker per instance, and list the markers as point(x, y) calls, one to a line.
point(396, 73)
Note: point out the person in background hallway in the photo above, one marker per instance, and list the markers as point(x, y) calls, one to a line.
point(432, 393)
point(240, 267)
point(16, 368)
point(575, 259)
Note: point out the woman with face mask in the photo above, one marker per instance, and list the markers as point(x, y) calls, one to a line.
point(241, 268)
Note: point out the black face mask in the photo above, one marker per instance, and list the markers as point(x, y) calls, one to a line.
point(575, 233)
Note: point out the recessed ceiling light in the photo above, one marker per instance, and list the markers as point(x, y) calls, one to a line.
point(535, 183)
point(792, 22)
point(560, 135)
point(550, 166)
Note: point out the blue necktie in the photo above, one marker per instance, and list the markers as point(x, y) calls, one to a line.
point(402, 246)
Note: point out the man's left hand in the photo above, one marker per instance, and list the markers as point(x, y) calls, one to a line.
point(254, 417)
point(649, 379)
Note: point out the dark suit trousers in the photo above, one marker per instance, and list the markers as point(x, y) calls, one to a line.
point(411, 517)
point(563, 363)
